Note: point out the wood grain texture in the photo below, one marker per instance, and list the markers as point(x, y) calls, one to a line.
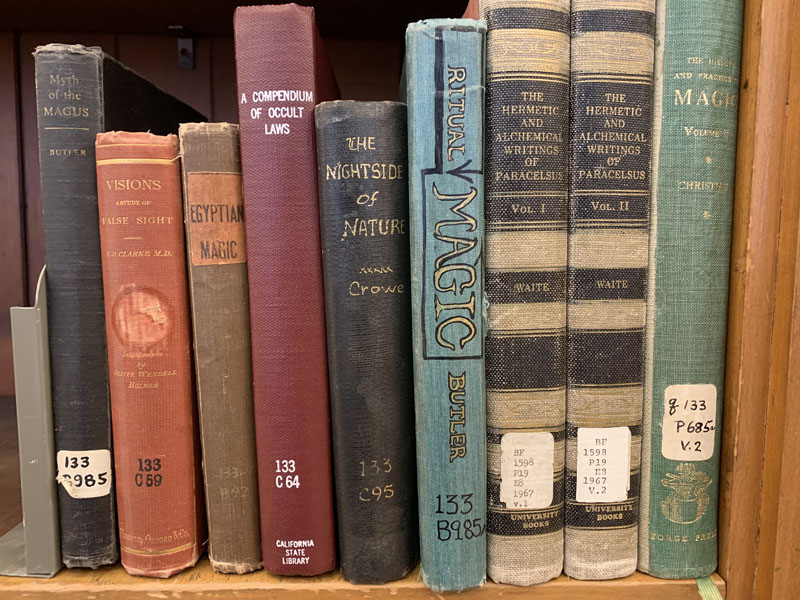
point(779, 526)
point(752, 306)
point(12, 249)
point(778, 575)
point(201, 582)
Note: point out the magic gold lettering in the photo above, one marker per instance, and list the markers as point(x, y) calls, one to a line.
point(459, 325)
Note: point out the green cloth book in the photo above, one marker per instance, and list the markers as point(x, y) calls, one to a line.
point(698, 45)
point(445, 90)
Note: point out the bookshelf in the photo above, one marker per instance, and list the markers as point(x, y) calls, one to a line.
point(760, 466)
point(202, 582)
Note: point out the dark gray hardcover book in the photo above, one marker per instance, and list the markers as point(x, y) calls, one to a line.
point(80, 92)
point(362, 158)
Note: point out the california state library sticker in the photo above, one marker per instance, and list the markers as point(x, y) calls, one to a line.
point(215, 219)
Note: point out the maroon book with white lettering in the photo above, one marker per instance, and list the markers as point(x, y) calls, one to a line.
point(282, 74)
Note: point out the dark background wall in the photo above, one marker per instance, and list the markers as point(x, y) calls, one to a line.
point(364, 43)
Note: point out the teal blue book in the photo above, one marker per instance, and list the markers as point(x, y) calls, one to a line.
point(698, 48)
point(445, 92)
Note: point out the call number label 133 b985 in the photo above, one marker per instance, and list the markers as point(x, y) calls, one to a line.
point(455, 518)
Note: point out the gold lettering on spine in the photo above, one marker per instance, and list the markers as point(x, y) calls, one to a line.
point(714, 98)
point(360, 225)
point(456, 109)
point(458, 438)
point(455, 320)
point(443, 265)
point(437, 278)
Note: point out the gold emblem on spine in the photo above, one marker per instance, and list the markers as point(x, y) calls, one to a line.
point(688, 500)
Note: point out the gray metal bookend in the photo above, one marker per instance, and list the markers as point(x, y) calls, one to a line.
point(33, 548)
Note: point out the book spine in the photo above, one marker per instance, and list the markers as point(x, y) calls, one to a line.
point(362, 155)
point(158, 483)
point(217, 257)
point(694, 140)
point(282, 74)
point(611, 95)
point(527, 128)
point(70, 113)
point(445, 89)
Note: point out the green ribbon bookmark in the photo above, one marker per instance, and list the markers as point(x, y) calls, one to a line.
point(707, 589)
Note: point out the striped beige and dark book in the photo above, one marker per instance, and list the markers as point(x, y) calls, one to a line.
point(527, 126)
point(611, 96)
point(217, 257)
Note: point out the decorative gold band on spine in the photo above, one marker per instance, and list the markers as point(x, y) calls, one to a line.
point(157, 552)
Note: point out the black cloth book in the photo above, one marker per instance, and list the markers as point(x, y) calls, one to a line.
point(80, 92)
point(363, 196)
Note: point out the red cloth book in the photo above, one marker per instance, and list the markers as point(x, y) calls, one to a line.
point(156, 456)
point(282, 73)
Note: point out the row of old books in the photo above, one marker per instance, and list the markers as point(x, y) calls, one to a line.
point(501, 303)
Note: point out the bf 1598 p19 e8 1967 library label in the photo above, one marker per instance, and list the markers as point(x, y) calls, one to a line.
point(526, 469)
point(604, 456)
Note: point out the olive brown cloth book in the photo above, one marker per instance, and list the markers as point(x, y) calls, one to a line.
point(611, 99)
point(282, 73)
point(527, 132)
point(156, 453)
point(216, 253)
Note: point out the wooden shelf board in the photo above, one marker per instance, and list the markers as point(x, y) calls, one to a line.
point(202, 582)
